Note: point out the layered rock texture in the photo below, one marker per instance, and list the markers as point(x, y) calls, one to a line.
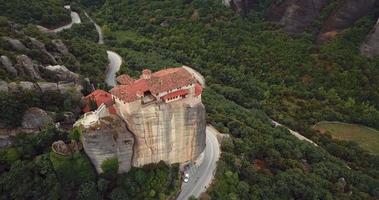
point(106, 139)
point(173, 132)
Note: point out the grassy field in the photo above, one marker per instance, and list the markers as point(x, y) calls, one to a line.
point(366, 137)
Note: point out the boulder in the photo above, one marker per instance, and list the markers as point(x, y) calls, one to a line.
point(25, 64)
point(41, 46)
point(35, 118)
point(295, 15)
point(3, 86)
point(13, 87)
point(69, 118)
point(27, 86)
point(370, 47)
point(48, 87)
point(61, 73)
point(60, 46)
point(7, 64)
point(61, 148)
point(71, 86)
point(16, 44)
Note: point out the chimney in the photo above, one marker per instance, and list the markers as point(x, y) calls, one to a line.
point(146, 74)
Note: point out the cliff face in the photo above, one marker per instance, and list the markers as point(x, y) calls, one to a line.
point(296, 15)
point(173, 132)
point(370, 47)
point(109, 138)
point(347, 13)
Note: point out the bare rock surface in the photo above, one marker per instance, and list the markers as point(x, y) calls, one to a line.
point(35, 118)
point(3, 86)
point(370, 47)
point(108, 139)
point(16, 44)
point(48, 86)
point(296, 15)
point(60, 46)
point(7, 64)
point(173, 132)
point(41, 47)
point(26, 66)
point(26, 86)
point(241, 6)
point(61, 73)
point(346, 14)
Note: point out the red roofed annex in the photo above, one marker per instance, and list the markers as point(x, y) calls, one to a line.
point(98, 97)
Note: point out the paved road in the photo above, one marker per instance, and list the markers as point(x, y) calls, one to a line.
point(98, 29)
point(115, 62)
point(75, 19)
point(201, 176)
point(296, 134)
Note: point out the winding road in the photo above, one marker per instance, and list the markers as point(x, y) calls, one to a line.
point(75, 19)
point(115, 62)
point(114, 59)
point(201, 176)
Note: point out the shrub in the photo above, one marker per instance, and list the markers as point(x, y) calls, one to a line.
point(110, 166)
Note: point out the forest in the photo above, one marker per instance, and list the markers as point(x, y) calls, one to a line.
point(255, 72)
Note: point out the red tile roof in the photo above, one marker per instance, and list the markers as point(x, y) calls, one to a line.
point(158, 82)
point(124, 79)
point(100, 97)
point(198, 89)
point(175, 94)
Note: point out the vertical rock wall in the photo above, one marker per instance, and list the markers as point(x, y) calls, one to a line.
point(173, 132)
point(109, 138)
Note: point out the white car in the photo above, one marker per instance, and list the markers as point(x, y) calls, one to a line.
point(185, 180)
point(186, 175)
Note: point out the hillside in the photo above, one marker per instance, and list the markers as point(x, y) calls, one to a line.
point(266, 61)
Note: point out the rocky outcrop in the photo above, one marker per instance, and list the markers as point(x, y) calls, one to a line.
point(370, 47)
point(16, 44)
point(296, 15)
point(35, 118)
point(172, 132)
point(64, 149)
point(60, 46)
point(7, 64)
point(346, 14)
point(41, 47)
point(60, 73)
point(3, 86)
point(241, 6)
point(108, 139)
point(43, 87)
point(47, 87)
point(25, 66)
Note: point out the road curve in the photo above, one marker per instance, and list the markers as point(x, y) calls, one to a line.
point(98, 29)
point(201, 176)
point(115, 62)
point(75, 19)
